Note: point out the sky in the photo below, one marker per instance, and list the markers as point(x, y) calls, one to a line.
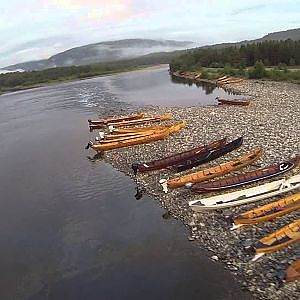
point(37, 29)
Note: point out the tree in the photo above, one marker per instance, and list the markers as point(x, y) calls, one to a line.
point(258, 71)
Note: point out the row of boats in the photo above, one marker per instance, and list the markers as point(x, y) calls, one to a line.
point(122, 134)
point(196, 77)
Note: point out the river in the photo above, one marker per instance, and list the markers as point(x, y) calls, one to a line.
point(71, 227)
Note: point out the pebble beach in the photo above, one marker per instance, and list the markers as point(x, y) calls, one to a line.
point(271, 122)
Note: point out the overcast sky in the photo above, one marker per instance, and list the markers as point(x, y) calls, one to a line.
point(37, 29)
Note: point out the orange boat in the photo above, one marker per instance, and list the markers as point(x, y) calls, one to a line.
point(116, 119)
point(269, 211)
point(280, 238)
point(138, 140)
point(242, 102)
point(293, 271)
point(213, 172)
point(129, 137)
point(130, 130)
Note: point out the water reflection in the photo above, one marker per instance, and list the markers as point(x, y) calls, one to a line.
point(167, 215)
point(140, 191)
point(207, 87)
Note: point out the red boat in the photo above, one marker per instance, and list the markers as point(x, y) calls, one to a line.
point(242, 102)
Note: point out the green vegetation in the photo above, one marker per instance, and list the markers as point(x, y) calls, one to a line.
point(17, 81)
point(280, 57)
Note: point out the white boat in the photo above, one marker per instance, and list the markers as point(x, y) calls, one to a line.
point(248, 195)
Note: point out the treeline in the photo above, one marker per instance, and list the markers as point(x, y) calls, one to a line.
point(19, 80)
point(271, 53)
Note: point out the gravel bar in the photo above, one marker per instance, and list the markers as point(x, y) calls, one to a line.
point(271, 122)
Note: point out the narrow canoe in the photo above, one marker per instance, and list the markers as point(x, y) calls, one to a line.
point(136, 129)
point(129, 137)
point(233, 101)
point(211, 155)
point(126, 135)
point(213, 172)
point(117, 119)
point(134, 122)
point(277, 240)
point(229, 80)
point(139, 140)
point(246, 178)
point(222, 78)
point(248, 195)
point(202, 151)
point(293, 271)
point(269, 211)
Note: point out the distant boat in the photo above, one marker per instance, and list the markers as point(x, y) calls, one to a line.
point(241, 102)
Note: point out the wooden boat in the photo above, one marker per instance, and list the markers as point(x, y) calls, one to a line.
point(202, 151)
point(136, 122)
point(233, 101)
point(210, 155)
point(246, 178)
point(293, 271)
point(229, 80)
point(248, 195)
point(277, 240)
point(117, 119)
point(135, 141)
point(125, 135)
point(213, 172)
point(126, 138)
point(222, 78)
point(130, 130)
point(268, 212)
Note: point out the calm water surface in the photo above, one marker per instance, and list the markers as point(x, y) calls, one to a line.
point(70, 227)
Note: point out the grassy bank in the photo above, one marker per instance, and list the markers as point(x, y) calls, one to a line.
point(277, 73)
point(20, 81)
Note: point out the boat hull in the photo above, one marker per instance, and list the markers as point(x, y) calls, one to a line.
point(246, 178)
point(279, 239)
point(247, 195)
point(169, 161)
point(211, 154)
point(269, 211)
point(213, 172)
point(293, 271)
point(114, 120)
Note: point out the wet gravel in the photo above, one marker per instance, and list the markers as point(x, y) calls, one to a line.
point(271, 122)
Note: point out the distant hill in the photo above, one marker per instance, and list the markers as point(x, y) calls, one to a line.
point(141, 51)
point(103, 52)
point(293, 34)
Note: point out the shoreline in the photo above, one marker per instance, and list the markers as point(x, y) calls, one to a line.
point(39, 85)
point(272, 122)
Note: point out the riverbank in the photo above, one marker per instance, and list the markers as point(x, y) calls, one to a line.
point(271, 122)
point(16, 88)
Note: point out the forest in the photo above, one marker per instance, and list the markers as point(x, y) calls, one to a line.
point(271, 53)
point(275, 60)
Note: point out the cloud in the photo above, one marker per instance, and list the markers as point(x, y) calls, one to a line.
point(98, 10)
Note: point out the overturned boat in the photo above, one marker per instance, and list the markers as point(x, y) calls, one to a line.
point(246, 178)
point(212, 172)
point(247, 195)
point(201, 152)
